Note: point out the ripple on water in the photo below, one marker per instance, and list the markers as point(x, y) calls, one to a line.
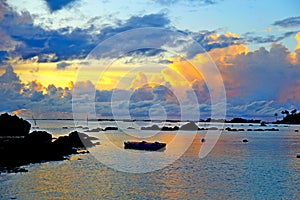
point(265, 168)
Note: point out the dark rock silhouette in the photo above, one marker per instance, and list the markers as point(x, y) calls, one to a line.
point(153, 127)
point(241, 120)
point(21, 148)
point(202, 129)
point(231, 129)
point(80, 140)
point(94, 130)
point(190, 126)
point(245, 140)
point(169, 128)
point(263, 124)
point(212, 128)
point(13, 125)
point(110, 128)
point(157, 128)
point(38, 137)
point(272, 129)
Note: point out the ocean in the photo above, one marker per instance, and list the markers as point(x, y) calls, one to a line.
point(264, 168)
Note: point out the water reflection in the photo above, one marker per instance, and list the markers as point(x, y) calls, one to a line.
point(264, 168)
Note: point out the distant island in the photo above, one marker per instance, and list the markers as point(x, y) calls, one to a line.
point(291, 117)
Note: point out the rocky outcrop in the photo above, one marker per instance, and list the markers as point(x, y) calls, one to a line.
point(13, 126)
point(21, 148)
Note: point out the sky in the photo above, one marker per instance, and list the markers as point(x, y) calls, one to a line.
point(137, 58)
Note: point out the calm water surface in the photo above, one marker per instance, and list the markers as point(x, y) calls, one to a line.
point(264, 168)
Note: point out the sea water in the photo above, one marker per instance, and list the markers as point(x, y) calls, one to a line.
point(264, 168)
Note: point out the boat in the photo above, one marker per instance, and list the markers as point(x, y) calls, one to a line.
point(149, 146)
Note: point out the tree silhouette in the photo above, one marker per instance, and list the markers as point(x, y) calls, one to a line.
point(276, 115)
point(293, 112)
point(286, 112)
point(283, 113)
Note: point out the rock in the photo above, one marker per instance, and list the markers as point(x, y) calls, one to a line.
point(245, 141)
point(228, 129)
point(298, 155)
point(79, 140)
point(271, 129)
point(191, 126)
point(202, 129)
point(212, 128)
point(38, 137)
point(94, 130)
point(263, 124)
point(168, 128)
point(110, 128)
point(153, 127)
point(37, 146)
point(13, 125)
point(231, 129)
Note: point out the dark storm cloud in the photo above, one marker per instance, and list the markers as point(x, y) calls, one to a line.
point(55, 5)
point(288, 22)
point(66, 43)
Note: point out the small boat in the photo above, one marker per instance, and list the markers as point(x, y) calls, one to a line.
point(149, 146)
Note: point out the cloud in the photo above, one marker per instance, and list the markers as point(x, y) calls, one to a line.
point(193, 2)
point(261, 75)
point(211, 40)
point(152, 20)
point(10, 88)
point(21, 37)
point(288, 22)
point(57, 5)
point(248, 38)
point(140, 81)
point(9, 76)
point(62, 65)
point(144, 93)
